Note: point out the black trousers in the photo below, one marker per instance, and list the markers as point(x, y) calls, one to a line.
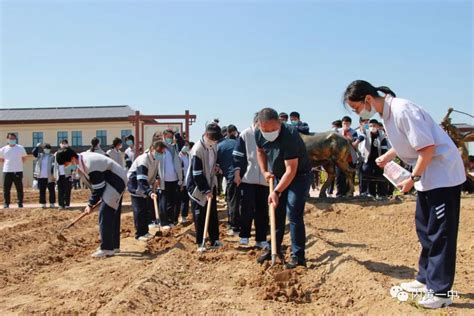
point(437, 223)
point(109, 226)
point(232, 195)
point(373, 176)
point(199, 217)
point(10, 178)
point(43, 184)
point(254, 206)
point(64, 190)
point(183, 208)
point(341, 181)
point(168, 201)
point(140, 215)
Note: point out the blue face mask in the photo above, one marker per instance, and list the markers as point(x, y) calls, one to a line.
point(169, 141)
point(129, 143)
point(158, 155)
point(366, 126)
point(294, 123)
point(47, 151)
point(71, 168)
point(12, 142)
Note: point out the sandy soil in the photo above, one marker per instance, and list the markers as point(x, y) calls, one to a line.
point(357, 250)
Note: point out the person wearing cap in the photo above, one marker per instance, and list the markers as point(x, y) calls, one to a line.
point(63, 179)
point(115, 152)
point(374, 145)
point(225, 162)
point(44, 172)
point(282, 157)
point(438, 174)
point(253, 188)
point(202, 184)
point(107, 181)
point(12, 156)
point(283, 117)
point(295, 121)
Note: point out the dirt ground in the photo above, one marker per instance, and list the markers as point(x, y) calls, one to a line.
point(356, 250)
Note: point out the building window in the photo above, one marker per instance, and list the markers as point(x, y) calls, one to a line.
point(102, 136)
point(61, 136)
point(76, 138)
point(37, 138)
point(124, 133)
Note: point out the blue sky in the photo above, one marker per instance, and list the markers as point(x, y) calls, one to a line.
point(229, 59)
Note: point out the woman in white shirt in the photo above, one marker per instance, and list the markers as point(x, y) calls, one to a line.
point(438, 174)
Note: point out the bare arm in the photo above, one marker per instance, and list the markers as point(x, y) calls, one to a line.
point(425, 155)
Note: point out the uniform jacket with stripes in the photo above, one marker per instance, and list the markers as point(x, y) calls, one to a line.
point(178, 167)
point(245, 158)
point(105, 178)
point(201, 177)
point(116, 155)
point(142, 175)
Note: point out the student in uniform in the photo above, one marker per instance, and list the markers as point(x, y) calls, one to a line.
point(95, 146)
point(142, 177)
point(12, 156)
point(437, 175)
point(253, 188)
point(183, 194)
point(114, 153)
point(44, 172)
point(282, 157)
point(130, 155)
point(64, 180)
point(202, 184)
point(107, 181)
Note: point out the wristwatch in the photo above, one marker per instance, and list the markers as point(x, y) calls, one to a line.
point(277, 193)
point(415, 178)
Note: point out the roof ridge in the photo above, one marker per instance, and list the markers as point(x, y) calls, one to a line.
point(68, 107)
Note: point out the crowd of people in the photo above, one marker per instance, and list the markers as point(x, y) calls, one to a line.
point(179, 174)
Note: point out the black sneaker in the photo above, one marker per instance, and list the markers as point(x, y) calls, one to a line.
point(294, 262)
point(20, 205)
point(6, 205)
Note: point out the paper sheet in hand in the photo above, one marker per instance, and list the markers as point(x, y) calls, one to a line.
point(395, 173)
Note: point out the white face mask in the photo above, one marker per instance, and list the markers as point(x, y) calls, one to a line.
point(367, 115)
point(373, 130)
point(271, 136)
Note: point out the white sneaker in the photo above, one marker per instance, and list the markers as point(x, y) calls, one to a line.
point(184, 220)
point(244, 241)
point(117, 250)
point(103, 253)
point(166, 227)
point(230, 232)
point(52, 205)
point(413, 287)
point(432, 301)
point(153, 225)
point(262, 245)
point(201, 249)
point(145, 237)
point(43, 205)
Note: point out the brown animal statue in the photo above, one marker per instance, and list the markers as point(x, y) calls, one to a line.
point(330, 149)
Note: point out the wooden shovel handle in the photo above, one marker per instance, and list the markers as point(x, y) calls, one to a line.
point(271, 210)
point(81, 216)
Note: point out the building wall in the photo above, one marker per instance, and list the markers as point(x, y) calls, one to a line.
point(25, 137)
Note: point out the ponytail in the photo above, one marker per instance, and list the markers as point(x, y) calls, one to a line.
point(386, 90)
point(358, 90)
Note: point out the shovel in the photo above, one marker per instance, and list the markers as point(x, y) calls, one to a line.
point(60, 236)
point(159, 233)
point(206, 225)
point(271, 210)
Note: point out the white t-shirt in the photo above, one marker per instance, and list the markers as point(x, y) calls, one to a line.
point(409, 129)
point(13, 158)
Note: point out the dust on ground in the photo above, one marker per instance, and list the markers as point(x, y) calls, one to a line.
point(357, 250)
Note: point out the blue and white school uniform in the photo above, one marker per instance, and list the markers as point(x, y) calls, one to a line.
point(410, 128)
